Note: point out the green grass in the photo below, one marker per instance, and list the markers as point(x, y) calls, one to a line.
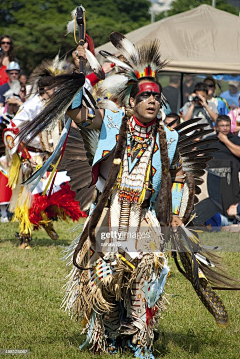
point(31, 293)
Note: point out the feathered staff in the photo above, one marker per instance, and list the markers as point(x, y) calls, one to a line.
point(67, 87)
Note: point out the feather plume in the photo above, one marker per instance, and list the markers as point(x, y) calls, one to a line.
point(115, 60)
point(125, 46)
point(67, 88)
point(113, 84)
point(94, 64)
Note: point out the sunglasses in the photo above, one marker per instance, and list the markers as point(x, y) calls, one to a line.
point(5, 42)
point(210, 85)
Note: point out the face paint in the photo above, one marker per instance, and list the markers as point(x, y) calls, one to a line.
point(147, 89)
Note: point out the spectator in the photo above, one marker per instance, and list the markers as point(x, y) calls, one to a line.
point(7, 46)
point(235, 119)
point(172, 119)
point(172, 93)
point(200, 107)
point(13, 72)
point(23, 79)
point(223, 176)
point(3, 74)
point(221, 104)
point(188, 87)
point(228, 144)
point(232, 95)
point(22, 93)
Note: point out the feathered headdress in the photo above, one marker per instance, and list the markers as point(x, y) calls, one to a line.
point(48, 69)
point(141, 61)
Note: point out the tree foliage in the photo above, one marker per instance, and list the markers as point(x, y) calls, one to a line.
point(38, 27)
point(179, 6)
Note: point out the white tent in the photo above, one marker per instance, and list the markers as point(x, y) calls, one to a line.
point(202, 40)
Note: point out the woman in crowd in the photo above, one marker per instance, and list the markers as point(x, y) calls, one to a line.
point(7, 47)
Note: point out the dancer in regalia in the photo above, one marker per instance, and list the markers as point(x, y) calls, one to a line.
point(52, 198)
point(141, 194)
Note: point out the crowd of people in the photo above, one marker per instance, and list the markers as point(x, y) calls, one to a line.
point(116, 147)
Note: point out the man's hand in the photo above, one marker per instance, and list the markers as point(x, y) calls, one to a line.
point(107, 67)
point(176, 222)
point(223, 138)
point(203, 101)
point(79, 52)
point(232, 210)
point(14, 101)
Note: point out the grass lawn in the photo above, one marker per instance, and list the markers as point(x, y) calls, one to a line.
point(31, 293)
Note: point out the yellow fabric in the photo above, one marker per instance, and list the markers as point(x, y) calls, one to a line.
point(14, 171)
point(22, 213)
point(51, 176)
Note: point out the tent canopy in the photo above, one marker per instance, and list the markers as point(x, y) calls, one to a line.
point(202, 40)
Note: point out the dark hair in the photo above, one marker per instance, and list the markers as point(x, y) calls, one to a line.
point(200, 86)
point(10, 53)
point(135, 88)
point(210, 78)
point(45, 81)
point(223, 118)
point(175, 116)
point(174, 79)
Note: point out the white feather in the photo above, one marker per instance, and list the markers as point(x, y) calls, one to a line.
point(70, 27)
point(94, 64)
point(113, 83)
point(70, 24)
point(115, 60)
point(204, 260)
point(127, 48)
point(107, 104)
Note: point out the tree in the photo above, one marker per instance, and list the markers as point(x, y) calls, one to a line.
point(38, 27)
point(179, 6)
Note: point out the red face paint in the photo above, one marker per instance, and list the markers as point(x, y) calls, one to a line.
point(148, 87)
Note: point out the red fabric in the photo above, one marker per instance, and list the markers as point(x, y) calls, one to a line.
point(93, 78)
point(63, 199)
point(90, 44)
point(3, 76)
point(142, 125)
point(150, 312)
point(5, 192)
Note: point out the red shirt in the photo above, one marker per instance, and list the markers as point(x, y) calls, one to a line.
point(3, 75)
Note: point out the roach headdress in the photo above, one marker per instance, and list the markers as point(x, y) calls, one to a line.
point(141, 61)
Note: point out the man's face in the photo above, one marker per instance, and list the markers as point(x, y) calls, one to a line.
point(146, 103)
point(224, 127)
point(169, 120)
point(200, 94)
point(12, 108)
point(13, 75)
point(233, 89)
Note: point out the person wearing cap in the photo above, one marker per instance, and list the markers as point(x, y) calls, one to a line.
point(3, 75)
point(231, 95)
point(13, 72)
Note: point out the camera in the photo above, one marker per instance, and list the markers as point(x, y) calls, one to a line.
point(195, 98)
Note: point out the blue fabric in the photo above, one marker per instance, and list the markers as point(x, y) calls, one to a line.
point(214, 222)
point(107, 142)
point(231, 99)
point(77, 101)
point(222, 107)
point(154, 289)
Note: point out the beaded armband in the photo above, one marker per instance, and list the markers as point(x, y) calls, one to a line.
point(177, 192)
